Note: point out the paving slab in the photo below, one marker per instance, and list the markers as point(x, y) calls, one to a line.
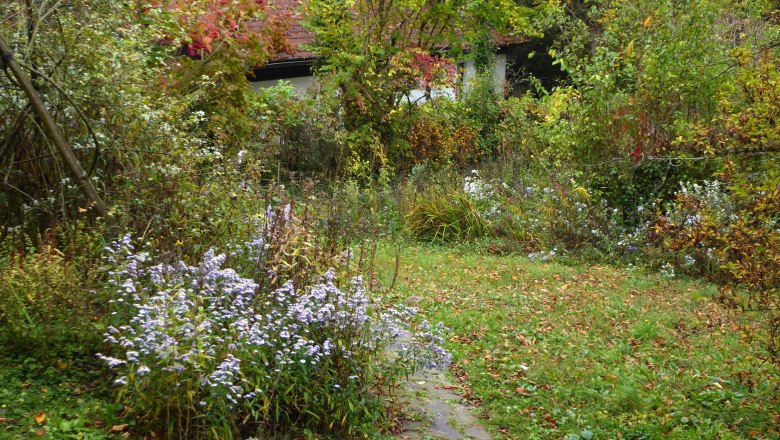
point(437, 412)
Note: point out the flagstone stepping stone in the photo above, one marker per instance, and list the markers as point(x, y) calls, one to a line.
point(437, 412)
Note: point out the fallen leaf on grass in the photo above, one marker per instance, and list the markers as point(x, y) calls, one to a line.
point(41, 432)
point(44, 390)
point(118, 428)
point(523, 392)
point(7, 420)
point(96, 424)
point(125, 411)
point(40, 418)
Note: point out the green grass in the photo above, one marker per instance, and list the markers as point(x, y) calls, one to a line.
point(58, 401)
point(551, 351)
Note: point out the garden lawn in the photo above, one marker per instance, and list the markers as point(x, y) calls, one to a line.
point(62, 401)
point(545, 350)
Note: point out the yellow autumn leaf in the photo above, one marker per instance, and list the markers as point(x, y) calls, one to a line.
point(118, 428)
point(40, 418)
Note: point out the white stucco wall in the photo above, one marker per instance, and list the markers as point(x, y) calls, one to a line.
point(468, 71)
point(499, 72)
point(418, 95)
point(301, 83)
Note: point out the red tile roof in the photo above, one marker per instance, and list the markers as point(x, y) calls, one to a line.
point(296, 34)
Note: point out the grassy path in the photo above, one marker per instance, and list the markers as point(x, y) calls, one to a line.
point(552, 351)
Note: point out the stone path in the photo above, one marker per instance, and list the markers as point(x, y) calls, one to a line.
point(437, 412)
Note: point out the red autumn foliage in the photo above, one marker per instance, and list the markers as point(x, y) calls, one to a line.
point(432, 68)
point(252, 30)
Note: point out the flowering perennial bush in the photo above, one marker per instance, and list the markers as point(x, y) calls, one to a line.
point(204, 352)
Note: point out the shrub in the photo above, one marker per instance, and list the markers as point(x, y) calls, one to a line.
point(47, 302)
point(543, 214)
point(731, 232)
point(426, 141)
point(205, 352)
point(555, 215)
point(336, 230)
point(629, 104)
point(355, 213)
point(297, 133)
point(533, 214)
point(441, 132)
point(481, 103)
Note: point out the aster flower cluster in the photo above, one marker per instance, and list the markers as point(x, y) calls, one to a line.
point(181, 321)
point(485, 193)
point(206, 334)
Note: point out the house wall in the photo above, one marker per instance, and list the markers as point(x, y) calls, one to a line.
point(499, 71)
point(301, 83)
point(468, 72)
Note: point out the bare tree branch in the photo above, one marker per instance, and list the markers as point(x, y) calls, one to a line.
point(51, 127)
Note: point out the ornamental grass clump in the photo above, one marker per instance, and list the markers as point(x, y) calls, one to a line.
point(202, 352)
point(442, 218)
